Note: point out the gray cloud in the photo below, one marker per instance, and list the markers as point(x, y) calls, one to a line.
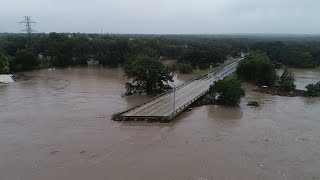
point(164, 16)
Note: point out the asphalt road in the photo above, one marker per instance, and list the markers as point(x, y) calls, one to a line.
point(165, 105)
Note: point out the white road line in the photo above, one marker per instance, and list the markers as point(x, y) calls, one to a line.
point(158, 99)
point(182, 96)
point(183, 103)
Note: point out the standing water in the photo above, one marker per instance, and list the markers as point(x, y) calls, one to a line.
point(57, 125)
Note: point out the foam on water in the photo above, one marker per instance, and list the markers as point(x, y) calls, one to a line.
point(6, 78)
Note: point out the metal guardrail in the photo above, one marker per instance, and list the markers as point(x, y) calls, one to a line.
point(183, 107)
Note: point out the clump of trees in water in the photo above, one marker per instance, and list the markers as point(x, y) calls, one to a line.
point(313, 89)
point(227, 92)
point(184, 68)
point(148, 75)
point(257, 68)
point(24, 59)
point(286, 81)
point(253, 103)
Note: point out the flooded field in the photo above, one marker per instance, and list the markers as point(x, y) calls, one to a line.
point(56, 125)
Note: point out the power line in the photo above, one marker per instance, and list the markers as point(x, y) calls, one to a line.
point(28, 29)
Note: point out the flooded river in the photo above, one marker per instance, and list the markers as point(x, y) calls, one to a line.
point(56, 125)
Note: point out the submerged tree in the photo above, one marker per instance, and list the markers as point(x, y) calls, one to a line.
point(313, 89)
point(257, 67)
point(148, 75)
point(184, 68)
point(227, 91)
point(24, 59)
point(109, 59)
point(4, 63)
point(286, 81)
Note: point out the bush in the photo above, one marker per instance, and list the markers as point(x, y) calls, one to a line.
point(24, 59)
point(257, 67)
point(184, 68)
point(227, 91)
point(253, 103)
point(286, 81)
point(313, 89)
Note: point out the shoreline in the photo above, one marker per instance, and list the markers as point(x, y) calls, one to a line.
point(275, 90)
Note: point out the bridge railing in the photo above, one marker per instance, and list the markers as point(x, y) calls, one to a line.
point(181, 108)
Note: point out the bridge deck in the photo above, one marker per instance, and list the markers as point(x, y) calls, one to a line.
point(168, 106)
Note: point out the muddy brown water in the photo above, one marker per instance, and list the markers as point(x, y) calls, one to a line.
point(56, 125)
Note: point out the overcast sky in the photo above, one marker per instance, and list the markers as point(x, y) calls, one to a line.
point(164, 16)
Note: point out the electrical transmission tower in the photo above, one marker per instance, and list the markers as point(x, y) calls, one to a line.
point(28, 29)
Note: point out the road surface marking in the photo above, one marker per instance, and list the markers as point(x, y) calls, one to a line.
point(183, 103)
point(158, 99)
point(177, 98)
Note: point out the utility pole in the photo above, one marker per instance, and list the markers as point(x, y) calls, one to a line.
point(28, 29)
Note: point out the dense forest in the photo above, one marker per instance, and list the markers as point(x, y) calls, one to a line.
point(197, 51)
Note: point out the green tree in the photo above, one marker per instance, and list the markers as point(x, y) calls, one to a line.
point(293, 54)
point(203, 56)
point(148, 75)
point(286, 81)
point(24, 59)
point(4, 63)
point(257, 67)
point(100, 57)
point(184, 68)
point(109, 59)
point(227, 91)
point(313, 89)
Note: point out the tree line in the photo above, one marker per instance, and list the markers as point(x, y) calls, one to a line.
point(202, 51)
point(292, 54)
point(65, 49)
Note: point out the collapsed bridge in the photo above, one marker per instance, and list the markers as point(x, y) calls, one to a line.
point(167, 106)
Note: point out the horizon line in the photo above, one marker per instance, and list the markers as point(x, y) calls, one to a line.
point(99, 33)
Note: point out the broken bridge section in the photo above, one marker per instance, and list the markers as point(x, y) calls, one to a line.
point(168, 105)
